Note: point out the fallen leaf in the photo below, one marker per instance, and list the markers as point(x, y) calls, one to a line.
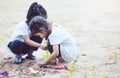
point(33, 70)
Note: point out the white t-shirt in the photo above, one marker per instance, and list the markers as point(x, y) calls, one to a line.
point(60, 36)
point(20, 30)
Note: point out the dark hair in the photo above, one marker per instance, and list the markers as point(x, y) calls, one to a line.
point(36, 23)
point(36, 10)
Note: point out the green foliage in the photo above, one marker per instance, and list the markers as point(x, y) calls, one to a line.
point(71, 68)
point(94, 71)
point(94, 67)
point(47, 55)
point(85, 75)
point(105, 74)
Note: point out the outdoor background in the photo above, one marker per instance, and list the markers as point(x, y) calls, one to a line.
point(95, 25)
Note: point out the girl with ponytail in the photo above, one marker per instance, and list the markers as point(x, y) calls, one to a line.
point(22, 41)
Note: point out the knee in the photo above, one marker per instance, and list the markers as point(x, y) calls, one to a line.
point(15, 45)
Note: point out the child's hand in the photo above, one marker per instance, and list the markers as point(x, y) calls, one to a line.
point(43, 47)
point(42, 65)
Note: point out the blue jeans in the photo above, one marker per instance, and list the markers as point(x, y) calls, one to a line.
point(19, 47)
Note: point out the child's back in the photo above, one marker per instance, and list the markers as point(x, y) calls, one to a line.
point(61, 36)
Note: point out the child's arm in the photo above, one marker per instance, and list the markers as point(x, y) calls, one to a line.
point(54, 54)
point(30, 42)
point(43, 47)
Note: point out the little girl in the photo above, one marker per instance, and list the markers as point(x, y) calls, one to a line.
point(60, 43)
point(22, 41)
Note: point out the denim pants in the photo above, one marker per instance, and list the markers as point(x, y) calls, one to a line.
point(19, 47)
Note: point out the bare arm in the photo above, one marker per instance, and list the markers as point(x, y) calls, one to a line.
point(54, 54)
point(32, 43)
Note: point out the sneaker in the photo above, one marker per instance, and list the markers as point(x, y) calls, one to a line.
point(30, 57)
point(18, 60)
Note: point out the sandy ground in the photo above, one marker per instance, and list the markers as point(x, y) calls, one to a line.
point(95, 24)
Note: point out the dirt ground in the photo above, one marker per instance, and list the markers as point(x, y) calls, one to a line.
point(95, 25)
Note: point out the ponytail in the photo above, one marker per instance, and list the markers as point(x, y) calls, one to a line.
point(36, 10)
